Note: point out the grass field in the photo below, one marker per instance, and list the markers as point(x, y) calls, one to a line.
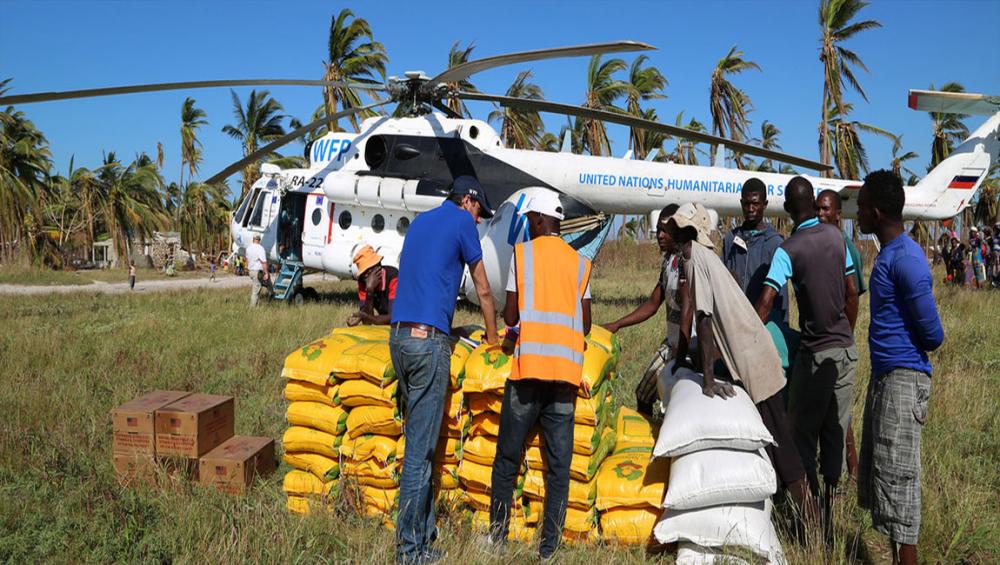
point(29, 275)
point(66, 361)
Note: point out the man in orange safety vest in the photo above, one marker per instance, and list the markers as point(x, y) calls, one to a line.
point(548, 293)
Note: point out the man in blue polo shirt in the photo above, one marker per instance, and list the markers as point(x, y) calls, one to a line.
point(438, 246)
point(821, 390)
point(905, 328)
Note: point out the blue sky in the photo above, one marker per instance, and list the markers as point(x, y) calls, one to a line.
point(51, 45)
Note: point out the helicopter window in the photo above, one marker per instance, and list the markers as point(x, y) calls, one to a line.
point(473, 132)
point(317, 216)
point(258, 210)
point(402, 225)
point(378, 223)
point(242, 208)
point(248, 202)
point(344, 220)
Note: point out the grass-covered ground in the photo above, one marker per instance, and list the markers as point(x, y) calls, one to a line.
point(66, 361)
point(29, 275)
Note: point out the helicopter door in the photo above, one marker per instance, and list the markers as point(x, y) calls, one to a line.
point(291, 220)
point(317, 225)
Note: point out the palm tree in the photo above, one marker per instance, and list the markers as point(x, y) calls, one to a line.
point(647, 141)
point(729, 105)
point(685, 152)
point(129, 200)
point(457, 56)
point(838, 61)
point(987, 207)
point(520, 129)
point(849, 153)
point(192, 118)
point(603, 90)
point(25, 161)
point(548, 142)
point(354, 55)
point(206, 209)
point(768, 140)
point(259, 121)
point(643, 84)
point(898, 160)
point(948, 129)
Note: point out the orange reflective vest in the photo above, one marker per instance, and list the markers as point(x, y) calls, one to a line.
point(551, 279)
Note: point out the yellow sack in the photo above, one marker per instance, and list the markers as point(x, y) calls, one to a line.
point(475, 475)
point(369, 446)
point(605, 340)
point(371, 473)
point(319, 416)
point(589, 411)
point(631, 526)
point(632, 480)
point(380, 420)
point(380, 500)
point(363, 333)
point(446, 476)
point(297, 505)
point(325, 468)
point(448, 451)
point(597, 364)
point(315, 361)
point(585, 438)
point(480, 499)
point(517, 525)
point(480, 449)
point(487, 423)
point(298, 438)
point(581, 494)
point(486, 370)
point(359, 392)
point(459, 355)
point(580, 521)
point(301, 391)
point(582, 467)
point(367, 360)
point(302, 483)
point(633, 430)
point(589, 537)
point(485, 402)
point(453, 403)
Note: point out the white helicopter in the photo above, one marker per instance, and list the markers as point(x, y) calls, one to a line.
point(366, 188)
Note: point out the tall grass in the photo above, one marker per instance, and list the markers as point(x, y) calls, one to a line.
point(66, 361)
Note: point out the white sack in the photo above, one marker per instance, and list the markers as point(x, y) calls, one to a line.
point(665, 382)
point(691, 554)
point(744, 525)
point(719, 476)
point(694, 422)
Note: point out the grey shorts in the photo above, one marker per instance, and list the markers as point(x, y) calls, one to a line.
point(889, 465)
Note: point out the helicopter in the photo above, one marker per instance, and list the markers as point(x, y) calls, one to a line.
point(366, 188)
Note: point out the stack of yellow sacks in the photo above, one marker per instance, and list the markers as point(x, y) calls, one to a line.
point(630, 483)
point(453, 427)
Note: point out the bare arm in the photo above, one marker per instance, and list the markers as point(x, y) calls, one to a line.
point(851, 299)
point(640, 314)
point(482, 283)
point(585, 307)
point(766, 301)
point(706, 344)
point(510, 314)
point(687, 321)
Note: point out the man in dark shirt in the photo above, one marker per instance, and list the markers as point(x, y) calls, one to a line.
point(747, 250)
point(376, 288)
point(906, 328)
point(821, 391)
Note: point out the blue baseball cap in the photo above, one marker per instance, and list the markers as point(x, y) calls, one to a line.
point(469, 185)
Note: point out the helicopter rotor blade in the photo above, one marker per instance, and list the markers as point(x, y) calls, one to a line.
point(465, 70)
point(289, 137)
point(632, 121)
point(114, 90)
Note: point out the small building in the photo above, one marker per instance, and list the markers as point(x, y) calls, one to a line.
point(149, 253)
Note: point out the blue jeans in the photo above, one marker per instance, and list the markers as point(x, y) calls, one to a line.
point(525, 402)
point(422, 366)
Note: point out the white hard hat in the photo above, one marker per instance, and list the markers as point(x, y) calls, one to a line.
point(547, 203)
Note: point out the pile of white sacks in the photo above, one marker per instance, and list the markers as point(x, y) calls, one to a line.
point(718, 500)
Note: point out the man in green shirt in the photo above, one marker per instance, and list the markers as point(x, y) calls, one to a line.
point(828, 210)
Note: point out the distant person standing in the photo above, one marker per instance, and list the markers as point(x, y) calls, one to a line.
point(906, 328)
point(439, 244)
point(747, 249)
point(978, 253)
point(829, 212)
point(821, 391)
point(257, 265)
point(995, 255)
point(131, 275)
point(211, 269)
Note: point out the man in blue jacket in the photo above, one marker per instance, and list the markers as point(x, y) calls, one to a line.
point(904, 329)
point(748, 249)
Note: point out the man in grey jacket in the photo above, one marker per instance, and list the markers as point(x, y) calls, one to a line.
point(747, 250)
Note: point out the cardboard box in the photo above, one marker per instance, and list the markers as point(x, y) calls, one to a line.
point(235, 464)
point(132, 423)
point(134, 468)
point(194, 425)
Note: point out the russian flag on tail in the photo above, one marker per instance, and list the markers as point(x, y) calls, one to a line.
point(963, 181)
